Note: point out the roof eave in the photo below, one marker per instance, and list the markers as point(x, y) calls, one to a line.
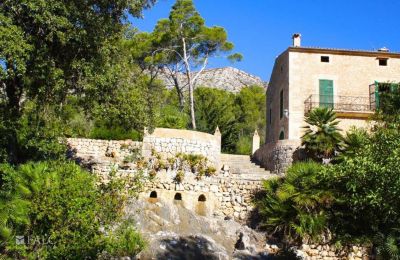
point(345, 52)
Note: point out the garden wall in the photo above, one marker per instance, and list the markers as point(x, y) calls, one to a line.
point(169, 142)
point(222, 195)
point(99, 150)
point(278, 156)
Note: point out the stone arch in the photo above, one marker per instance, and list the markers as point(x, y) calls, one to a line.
point(153, 194)
point(178, 196)
point(202, 198)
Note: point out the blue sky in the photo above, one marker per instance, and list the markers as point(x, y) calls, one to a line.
point(262, 29)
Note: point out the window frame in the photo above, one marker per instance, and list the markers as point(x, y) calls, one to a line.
point(281, 104)
point(325, 59)
point(385, 62)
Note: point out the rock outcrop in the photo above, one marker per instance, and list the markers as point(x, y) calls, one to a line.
point(228, 78)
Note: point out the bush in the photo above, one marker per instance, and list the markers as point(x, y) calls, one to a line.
point(244, 145)
point(116, 133)
point(322, 138)
point(125, 241)
point(367, 187)
point(66, 213)
point(171, 117)
point(294, 207)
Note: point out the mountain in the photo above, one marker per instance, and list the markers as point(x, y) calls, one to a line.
point(227, 78)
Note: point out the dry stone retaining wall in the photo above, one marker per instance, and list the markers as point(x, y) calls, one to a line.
point(169, 142)
point(87, 149)
point(330, 252)
point(225, 195)
point(278, 156)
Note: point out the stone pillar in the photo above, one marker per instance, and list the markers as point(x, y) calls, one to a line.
point(256, 142)
point(146, 145)
point(217, 135)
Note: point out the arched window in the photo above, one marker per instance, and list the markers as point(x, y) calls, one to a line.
point(153, 194)
point(178, 196)
point(282, 135)
point(202, 198)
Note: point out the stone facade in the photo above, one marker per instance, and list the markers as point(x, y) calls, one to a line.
point(228, 79)
point(278, 156)
point(297, 73)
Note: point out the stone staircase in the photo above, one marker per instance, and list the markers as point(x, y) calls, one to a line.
point(243, 166)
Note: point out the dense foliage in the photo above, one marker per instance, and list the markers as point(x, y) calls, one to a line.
point(180, 47)
point(355, 199)
point(322, 137)
point(61, 211)
point(237, 116)
point(295, 207)
point(79, 69)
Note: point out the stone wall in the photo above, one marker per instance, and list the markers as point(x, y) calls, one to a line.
point(169, 142)
point(332, 252)
point(101, 150)
point(278, 156)
point(224, 195)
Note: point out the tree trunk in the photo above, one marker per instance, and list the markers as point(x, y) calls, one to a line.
point(191, 101)
point(181, 98)
point(190, 84)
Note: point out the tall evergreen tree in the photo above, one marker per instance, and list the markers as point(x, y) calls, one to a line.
point(49, 49)
point(182, 45)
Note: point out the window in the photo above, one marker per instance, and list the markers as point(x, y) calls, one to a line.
point(383, 62)
point(270, 116)
point(282, 135)
point(326, 93)
point(325, 59)
point(281, 104)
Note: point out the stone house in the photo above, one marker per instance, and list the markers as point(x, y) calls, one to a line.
point(307, 77)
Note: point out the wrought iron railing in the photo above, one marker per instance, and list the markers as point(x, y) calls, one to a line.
point(339, 103)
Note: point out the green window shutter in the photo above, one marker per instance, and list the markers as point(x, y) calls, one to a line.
point(377, 98)
point(326, 93)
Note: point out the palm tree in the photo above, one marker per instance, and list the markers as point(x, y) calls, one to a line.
point(295, 206)
point(322, 137)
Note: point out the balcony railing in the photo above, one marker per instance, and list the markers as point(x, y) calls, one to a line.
point(339, 103)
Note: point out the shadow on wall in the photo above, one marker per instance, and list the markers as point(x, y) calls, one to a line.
point(255, 219)
point(191, 247)
point(201, 208)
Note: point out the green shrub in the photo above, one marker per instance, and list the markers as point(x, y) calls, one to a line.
point(116, 133)
point(244, 145)
point(322, 137)
point(125, 241)
point(294, 207)
point(171, 117)
point(67, 210)
point(180, 176)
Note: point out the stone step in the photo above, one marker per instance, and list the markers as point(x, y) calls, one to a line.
point(242, 165)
